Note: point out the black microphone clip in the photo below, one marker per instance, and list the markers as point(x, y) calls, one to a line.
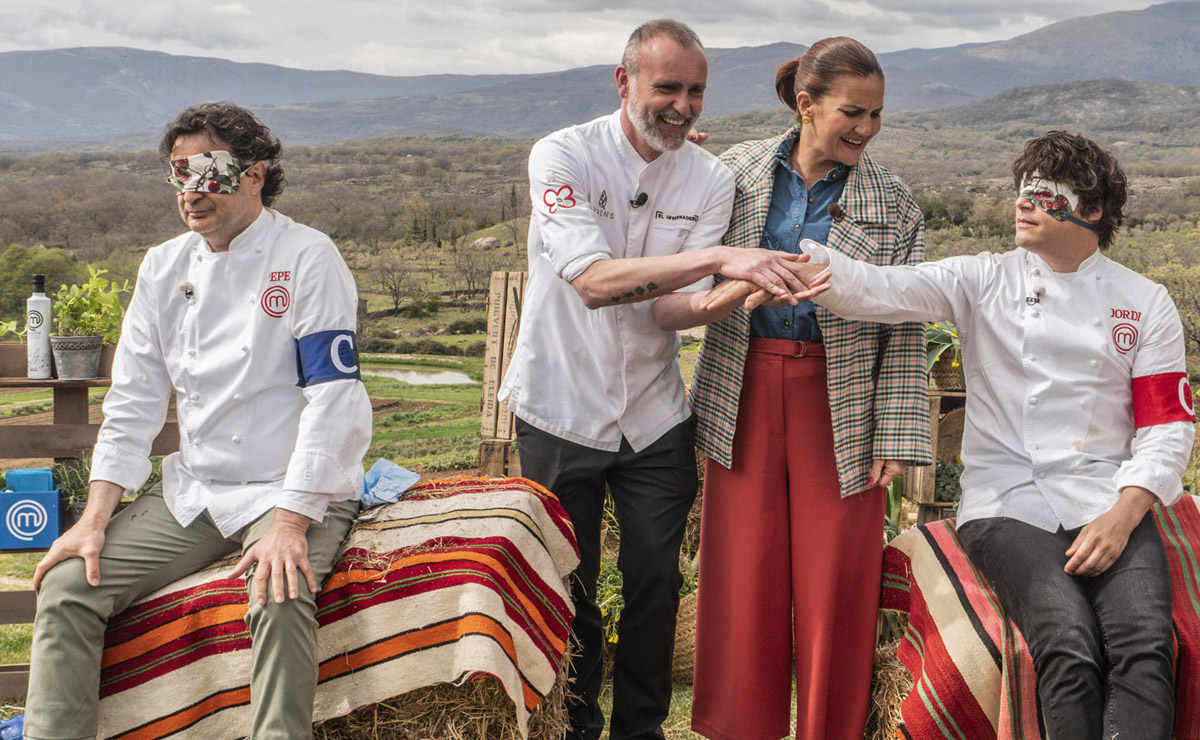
point(640, 200)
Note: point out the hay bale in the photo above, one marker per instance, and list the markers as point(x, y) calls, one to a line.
point(478, 709)
point(683, 664)
point(890, 684)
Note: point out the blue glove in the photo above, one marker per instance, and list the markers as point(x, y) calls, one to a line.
point(384, 483)
point(13, 729)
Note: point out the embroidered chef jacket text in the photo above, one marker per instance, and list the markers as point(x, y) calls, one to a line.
point(251, 439)
point(1049, 432)
point(593, 376)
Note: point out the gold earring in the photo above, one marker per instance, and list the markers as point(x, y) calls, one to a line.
point(805, 118)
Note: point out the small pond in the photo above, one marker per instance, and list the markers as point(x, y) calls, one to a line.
point(417, 375)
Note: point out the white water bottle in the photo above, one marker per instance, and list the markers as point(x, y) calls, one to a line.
point(37, 325)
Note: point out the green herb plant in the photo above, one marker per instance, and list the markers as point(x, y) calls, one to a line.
point(9, 327)
point(91, 309)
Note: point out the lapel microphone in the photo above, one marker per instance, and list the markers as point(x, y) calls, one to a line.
point(640, 200)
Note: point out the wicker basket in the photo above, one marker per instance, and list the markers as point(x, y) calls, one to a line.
point(683, 664)
point(947, 377)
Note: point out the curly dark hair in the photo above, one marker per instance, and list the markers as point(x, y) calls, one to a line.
point(248, 139)
point(1090, 170)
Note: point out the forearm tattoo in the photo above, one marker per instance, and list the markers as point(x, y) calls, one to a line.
point(640, 290)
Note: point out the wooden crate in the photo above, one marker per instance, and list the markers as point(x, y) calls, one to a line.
point(505, 295)
point(946, 409)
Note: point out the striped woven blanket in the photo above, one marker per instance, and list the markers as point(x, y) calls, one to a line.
point(972, 675)
point(462, 577)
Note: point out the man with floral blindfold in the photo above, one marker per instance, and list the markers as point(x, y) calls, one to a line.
point(1079, 419)
point(249, 318)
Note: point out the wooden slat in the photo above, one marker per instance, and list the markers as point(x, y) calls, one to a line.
point(492, 357)
point(514, 296)
point(23, 382)
point(12, 359)
point(56, 440)
point(68, 440)
point(14, 680)
point(70, 405)
point(17, 607)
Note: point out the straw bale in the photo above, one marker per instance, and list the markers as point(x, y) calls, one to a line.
point(477, 709)
point(890, 684)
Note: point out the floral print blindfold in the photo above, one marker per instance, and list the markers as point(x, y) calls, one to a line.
point(207, 172)
point(1055, 198)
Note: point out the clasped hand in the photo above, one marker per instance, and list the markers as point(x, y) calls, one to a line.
point(783, 279)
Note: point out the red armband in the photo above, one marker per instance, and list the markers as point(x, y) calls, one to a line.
point(1162, 399)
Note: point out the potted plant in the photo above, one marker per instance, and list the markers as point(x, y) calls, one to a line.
point(86, 317)
point(945, 370)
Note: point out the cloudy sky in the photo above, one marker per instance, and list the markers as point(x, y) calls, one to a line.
point(410, 37)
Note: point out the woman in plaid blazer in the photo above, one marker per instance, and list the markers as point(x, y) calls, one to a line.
point(804, 417)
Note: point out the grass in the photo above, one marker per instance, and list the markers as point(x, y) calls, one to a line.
point(677, 726)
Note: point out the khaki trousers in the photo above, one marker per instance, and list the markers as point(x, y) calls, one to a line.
point(145, 549)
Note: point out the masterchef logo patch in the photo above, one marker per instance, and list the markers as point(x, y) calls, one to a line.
point(1124, 336)
point(563, 197)
point(275, 301)
point(1162, 399)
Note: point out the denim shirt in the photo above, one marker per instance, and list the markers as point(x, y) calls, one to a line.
point(795, 213)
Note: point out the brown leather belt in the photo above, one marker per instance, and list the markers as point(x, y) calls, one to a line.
point(786, 347)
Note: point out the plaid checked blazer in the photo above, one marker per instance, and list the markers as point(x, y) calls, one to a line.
point(878, 386)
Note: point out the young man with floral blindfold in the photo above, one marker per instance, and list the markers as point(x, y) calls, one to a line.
point(249, 318)
point(1079, 419)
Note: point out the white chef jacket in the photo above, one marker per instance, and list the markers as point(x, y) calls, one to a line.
point(251, 438)
point(593, 376)
point(1050, 361)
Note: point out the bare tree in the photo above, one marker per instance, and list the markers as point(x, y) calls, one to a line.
point(389, 273)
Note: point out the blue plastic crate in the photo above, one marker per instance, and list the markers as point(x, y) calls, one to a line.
point(29, 479)
point(28, 519)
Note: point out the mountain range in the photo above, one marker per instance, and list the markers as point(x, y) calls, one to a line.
point(117, 97)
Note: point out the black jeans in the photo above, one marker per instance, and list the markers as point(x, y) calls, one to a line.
point(1076, 626)
point(653, 491)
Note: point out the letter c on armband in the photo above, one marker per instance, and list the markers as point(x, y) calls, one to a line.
point(326, 356)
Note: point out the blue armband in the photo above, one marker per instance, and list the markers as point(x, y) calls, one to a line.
point(325, 356)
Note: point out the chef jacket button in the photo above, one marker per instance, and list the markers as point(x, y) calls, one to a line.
point(195, 397)
point(1037, 314)
point(1035, 446)
point(237, 440)
point(237, 396)
point(1096, 322)
point(1041, 476)
point(191, 353)
point(1094, 363)
point(1033, 401)
point(245, 482)
point(1037, 273)
point(245, 348)
point(1083, 402)
point(1031, 358)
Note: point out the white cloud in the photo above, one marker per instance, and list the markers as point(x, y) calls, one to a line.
point(410, 37)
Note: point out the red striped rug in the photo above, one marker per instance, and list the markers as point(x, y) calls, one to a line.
point(460, 578)
point(972, 675)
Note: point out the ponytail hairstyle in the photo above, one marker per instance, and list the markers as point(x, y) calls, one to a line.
point(817, 70)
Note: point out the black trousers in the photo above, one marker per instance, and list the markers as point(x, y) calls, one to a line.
point(653, 491)
point(1077, 625)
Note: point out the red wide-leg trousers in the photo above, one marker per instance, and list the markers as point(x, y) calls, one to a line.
point(787, 567)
